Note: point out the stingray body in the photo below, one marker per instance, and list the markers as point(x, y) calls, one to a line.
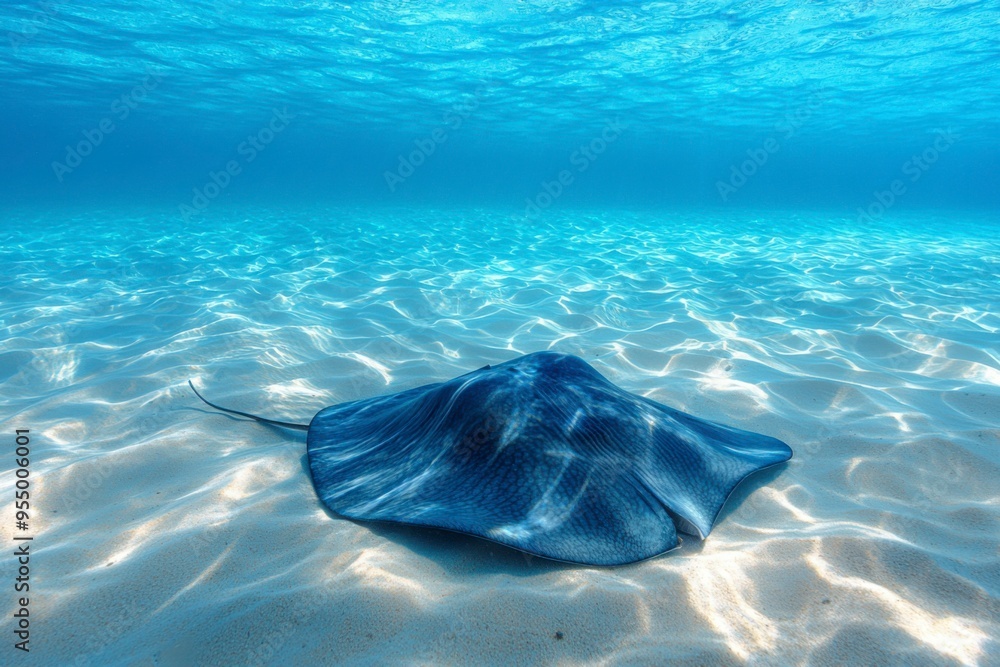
point(542, 454)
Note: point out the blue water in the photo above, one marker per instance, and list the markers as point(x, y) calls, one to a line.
point(779, 216)
point(845, 95)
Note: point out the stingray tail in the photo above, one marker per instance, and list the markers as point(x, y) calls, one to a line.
point(298, 427)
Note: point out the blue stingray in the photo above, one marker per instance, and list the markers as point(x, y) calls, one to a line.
point(541, 454)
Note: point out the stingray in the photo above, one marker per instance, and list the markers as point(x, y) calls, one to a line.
point(541, 453)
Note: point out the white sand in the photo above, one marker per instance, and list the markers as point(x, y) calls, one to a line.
point(167, 534)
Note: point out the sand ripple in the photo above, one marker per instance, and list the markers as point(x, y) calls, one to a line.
point(873, 352)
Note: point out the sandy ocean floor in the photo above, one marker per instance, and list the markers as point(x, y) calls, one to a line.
point(167, 534)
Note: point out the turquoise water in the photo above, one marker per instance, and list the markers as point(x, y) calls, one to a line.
point(779, 216)
point(367, 295)
point(830, 104)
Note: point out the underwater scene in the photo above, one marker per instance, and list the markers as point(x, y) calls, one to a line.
point(407, 332)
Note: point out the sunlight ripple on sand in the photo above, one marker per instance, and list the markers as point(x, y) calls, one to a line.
point(872, 352)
